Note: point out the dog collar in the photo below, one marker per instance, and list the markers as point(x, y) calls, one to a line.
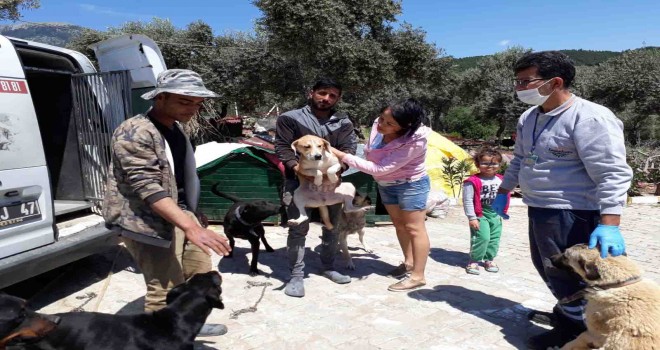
point(237, 212)
point(594, 289)
point(627, 282)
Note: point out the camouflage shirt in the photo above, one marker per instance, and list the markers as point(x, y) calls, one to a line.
point(139, 175)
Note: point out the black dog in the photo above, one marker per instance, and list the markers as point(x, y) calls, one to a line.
point(243, 220)
point(173, 327)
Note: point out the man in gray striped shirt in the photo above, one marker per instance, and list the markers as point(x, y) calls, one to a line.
point(321, 119)
point(570, 163)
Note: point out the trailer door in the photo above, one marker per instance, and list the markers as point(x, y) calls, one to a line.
point(140, 56)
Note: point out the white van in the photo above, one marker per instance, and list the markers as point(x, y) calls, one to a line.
point(56, 118)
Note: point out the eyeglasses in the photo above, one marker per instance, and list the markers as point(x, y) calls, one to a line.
point(491, 165)
point(524, 82)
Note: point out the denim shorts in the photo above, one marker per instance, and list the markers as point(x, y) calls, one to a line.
point(410, 196)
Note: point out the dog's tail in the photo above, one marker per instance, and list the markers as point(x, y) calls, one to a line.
point(217, 192)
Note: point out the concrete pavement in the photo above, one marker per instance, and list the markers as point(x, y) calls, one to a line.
point(453, 311)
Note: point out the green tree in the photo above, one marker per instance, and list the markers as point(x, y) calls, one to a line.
point(252, 74)
point(584, 79)
point(462, 121)
point(356, 43)
point(296, 42)
point(11, 9)
point(330, 37)
point(630, 85)
point(489, 91)
point(236, 65)
point(84, 39)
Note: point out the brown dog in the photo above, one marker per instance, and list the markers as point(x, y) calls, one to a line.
point(623, 310)
point(316, 160)
point(350, 223)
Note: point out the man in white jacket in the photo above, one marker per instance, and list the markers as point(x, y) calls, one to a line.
point(570, 163)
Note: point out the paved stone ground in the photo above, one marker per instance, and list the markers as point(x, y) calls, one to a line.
point(454, 310)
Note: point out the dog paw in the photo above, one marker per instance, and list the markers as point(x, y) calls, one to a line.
point(329, 227)
point(350, 265)
point(269, 249)
point(293, 222)
point(318, 181)
point(254, 273)
point(368, 207)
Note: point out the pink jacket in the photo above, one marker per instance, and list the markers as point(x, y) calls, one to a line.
point(401, 159)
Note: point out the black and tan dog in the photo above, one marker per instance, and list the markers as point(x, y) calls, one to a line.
point(243, 220)
point(173, 327)
point(623, 310)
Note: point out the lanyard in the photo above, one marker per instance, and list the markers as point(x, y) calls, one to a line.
point(535, 137)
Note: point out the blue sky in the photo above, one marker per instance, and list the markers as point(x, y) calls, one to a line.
point(461, 27)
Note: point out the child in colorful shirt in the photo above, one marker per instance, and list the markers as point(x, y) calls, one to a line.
point(479, 191)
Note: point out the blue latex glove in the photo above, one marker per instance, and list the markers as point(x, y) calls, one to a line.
point(499, 204)
point(610, 240)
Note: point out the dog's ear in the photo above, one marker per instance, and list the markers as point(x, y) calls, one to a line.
point(216, 278)
point(326, 145)
point(174, 293)
point(590, 270)
point(213, 294)
point(367, 200)
point(12, 315)
point(36, 328)
point(294, 146)
point(214, 299)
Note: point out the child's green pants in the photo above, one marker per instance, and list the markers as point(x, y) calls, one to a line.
point(485, 242)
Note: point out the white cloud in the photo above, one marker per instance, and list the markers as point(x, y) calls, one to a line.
point(110, 12)
point(504, 42)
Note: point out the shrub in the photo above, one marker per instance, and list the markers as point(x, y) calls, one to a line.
point(455, 171)
point(461, 120)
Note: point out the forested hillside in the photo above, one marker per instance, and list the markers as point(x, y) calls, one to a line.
point(58, 34)
point(581, 58)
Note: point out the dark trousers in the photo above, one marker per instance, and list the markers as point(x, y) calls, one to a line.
point(295, 242)
point(551, 231)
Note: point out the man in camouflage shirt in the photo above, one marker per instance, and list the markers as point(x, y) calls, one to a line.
point(153, 190)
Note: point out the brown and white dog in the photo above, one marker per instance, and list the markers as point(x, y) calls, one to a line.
point(316, 160)
point(623, 310)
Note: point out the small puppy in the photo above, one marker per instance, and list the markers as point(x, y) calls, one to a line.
point(243, 220)
point(174, 327)
point(350, 223)
point(316, 160)
point(623, 310)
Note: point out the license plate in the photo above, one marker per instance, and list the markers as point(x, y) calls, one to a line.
point(19, 213)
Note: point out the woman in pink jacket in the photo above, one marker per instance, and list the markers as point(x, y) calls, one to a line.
point(395, 157)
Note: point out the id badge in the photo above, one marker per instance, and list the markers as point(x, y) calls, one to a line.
point(530, 160)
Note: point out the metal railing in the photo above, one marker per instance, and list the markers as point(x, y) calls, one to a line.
point(101, 102)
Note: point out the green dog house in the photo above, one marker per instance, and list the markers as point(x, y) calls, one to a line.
point(242, 171)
